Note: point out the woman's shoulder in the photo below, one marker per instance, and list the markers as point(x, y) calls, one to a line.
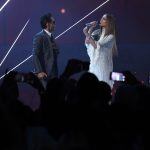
point(110, 35)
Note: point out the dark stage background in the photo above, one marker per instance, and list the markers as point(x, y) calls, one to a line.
point(133, 25)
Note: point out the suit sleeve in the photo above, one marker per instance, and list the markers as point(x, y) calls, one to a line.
point(38, 54)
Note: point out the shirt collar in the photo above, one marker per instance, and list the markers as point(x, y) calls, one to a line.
point(48, 32)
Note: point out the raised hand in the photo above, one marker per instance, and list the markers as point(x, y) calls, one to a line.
point(93, 23)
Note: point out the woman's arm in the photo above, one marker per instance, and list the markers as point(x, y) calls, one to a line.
point(85, 31)
point(107, 41)
point(88, 31)
point(89, 40)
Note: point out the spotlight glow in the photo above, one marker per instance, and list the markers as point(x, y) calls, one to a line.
point(63, 11)
point(4, 5)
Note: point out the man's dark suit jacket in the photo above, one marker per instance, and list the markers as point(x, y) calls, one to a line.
point(45, 54)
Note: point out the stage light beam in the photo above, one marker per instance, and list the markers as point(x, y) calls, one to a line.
point(83, 18)
point(14, 43)
point(4, 5)
point(16, 66)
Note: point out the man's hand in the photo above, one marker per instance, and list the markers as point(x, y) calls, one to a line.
point(41, 75)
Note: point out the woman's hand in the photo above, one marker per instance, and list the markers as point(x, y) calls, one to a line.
point(85, 31)
point(93, 23)
point(87, 40)
point(88, 30)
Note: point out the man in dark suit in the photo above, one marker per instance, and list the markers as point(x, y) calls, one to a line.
point(45, 50)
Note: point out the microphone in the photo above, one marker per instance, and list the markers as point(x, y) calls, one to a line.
point(90, 24)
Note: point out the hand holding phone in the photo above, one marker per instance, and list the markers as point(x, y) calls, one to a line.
point(116, 76)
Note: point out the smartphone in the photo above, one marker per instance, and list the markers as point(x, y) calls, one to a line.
point(117, 76)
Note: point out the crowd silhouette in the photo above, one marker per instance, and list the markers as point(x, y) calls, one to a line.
point(75, 114)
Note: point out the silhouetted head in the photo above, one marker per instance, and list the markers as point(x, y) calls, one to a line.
point(9, 87)
point(87, 87)
point(104, 92)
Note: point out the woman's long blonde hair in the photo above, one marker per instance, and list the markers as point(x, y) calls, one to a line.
point(112, 30)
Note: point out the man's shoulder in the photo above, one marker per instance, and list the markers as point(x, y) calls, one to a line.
point(39, 34)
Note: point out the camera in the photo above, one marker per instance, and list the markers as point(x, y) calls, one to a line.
point(117, 76)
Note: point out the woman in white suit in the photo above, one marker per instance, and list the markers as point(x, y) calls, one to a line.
point(101, 51)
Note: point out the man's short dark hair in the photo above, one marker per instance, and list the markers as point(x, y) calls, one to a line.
point(45, 19)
